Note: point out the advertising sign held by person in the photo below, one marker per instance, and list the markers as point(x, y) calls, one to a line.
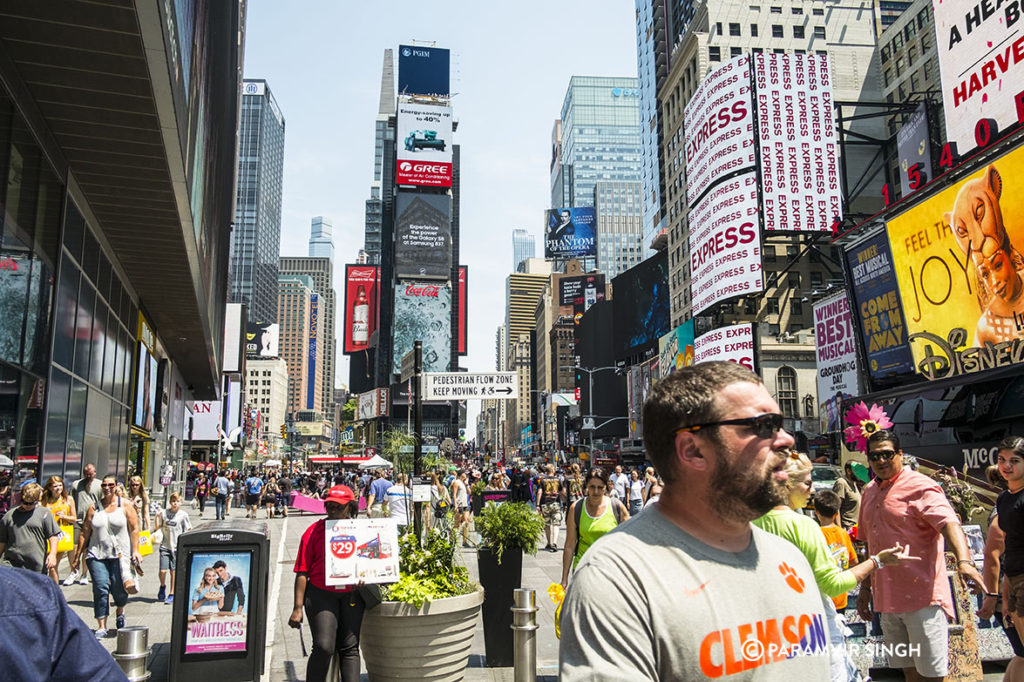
point(570, 233)
point(960, 271)
point(218, 611)
point(837, 358)
point(361, 550)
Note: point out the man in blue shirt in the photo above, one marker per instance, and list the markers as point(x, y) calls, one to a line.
point(378, 495)
point(43, 638)
point(253, 490)
point(223, 488)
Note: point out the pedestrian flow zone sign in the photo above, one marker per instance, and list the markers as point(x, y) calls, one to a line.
point(468, 386)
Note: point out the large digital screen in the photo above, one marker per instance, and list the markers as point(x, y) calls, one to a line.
point(981, 67)
point(424, 144)
point(836, 355)
point(423, 70)
point(800, 188)
point(262, 339)
point(641, 306)
point(423, 235)
point(423, 312)
point(877, 309)
point(145, 389)
point(360, 307)
point(725, 243)
point(960, 271)
point(217, 603)
point(914, 147)
point(718, 125)
point(570, 233)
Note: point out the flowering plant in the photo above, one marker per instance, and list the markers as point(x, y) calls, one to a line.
point(864, 422)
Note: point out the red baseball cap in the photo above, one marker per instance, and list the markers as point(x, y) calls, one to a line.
point(341, 494)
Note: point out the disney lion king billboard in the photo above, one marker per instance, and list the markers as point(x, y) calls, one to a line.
point(961, 273)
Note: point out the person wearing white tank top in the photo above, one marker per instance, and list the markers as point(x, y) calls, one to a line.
point(110, 531)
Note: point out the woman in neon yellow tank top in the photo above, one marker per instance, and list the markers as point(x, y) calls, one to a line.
point(598, 515)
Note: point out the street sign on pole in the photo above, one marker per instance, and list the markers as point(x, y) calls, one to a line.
point(469, 386)
point(408, 365)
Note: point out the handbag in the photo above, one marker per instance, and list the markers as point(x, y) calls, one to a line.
point(370, 594)
point(157, 537)
point(66, 543)
point(129, 576)
point(145, 543)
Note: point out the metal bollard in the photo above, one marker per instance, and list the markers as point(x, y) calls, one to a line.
point(133, 652)
point(524, 628)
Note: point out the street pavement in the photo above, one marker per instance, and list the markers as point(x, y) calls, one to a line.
point(285, 660)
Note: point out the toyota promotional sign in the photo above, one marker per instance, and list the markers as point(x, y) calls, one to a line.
point(423, 312)
point(718, 123)
point(797, 138)
point(360, 307)
point(424, 143)
point(423, 235)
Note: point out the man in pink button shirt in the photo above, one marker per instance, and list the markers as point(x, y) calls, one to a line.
point(914, 599)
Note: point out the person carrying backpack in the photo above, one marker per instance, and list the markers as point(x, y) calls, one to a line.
point(589, 519)
point(253, 492)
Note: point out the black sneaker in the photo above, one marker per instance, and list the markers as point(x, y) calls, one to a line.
point(120, 621)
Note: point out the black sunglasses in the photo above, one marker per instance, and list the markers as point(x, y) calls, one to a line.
point(881, 455)
point(763, 425)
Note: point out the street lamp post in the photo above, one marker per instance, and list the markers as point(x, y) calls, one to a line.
point(590, 397)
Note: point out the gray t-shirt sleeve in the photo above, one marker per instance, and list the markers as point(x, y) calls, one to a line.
point(606, 631)
point(50, 527)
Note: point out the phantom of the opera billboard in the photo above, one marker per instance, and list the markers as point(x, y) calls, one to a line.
point(960, 269)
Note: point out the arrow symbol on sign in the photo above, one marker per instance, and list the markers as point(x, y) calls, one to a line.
point(505, 390)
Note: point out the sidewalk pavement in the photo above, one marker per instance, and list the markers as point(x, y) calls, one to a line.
point(284, 651)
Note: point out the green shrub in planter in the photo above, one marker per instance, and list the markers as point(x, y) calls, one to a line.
point(509, 526)
point(428, 571)
point(478, 488)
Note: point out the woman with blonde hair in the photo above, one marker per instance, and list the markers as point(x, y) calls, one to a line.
point(62, 506)
point(140, 498)
point(788, 523)
point(208, 597)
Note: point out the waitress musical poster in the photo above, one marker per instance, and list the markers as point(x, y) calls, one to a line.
point(218, 605)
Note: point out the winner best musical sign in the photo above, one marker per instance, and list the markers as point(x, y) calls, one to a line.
point(468, 386)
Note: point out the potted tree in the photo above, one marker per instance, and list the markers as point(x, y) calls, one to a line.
point(506, 531)
point(424, 628)
point(476, 499)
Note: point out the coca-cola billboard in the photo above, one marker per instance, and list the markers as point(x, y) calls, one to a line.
point(423, 311)
point(360, 307)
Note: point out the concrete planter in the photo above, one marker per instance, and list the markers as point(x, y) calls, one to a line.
point(401, 642)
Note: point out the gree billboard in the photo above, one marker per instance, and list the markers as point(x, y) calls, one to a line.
point(424, 144)
point(960, 270)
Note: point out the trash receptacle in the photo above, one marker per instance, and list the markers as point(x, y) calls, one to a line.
point(219, 620)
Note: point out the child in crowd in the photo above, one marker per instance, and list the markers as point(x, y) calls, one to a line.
point(826, 508)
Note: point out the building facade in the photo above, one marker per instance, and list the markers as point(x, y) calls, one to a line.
point(266, 388)
point(909, 59)
point(619, 226)
point(109, 329)
point(599, 137)
point(321, 239)
point(383, 132)
point(524, 246)
point(295, 304)
point(256, 238)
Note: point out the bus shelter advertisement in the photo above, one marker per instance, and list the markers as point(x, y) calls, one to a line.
point(877, 308)
point(961, 273)
point(361, 550)
point(218, 611)
point(837, 359)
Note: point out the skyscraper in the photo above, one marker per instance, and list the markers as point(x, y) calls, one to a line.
point(256, 238)
point(523, 246)
point(296, 295)
point(619, 226)
point(321, 239)
point(600, 137)
point(382, 132)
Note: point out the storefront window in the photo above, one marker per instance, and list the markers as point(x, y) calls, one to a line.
point(56, 427)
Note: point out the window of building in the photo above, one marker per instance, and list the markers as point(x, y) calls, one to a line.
point(792, 251)
point(885, 54)
point(753, 30)
point(817, 279)
point(793, 279)
point(768, 252)
point(735, 51)
point(750, 306)
point(808, 405)
point(777, 31)
point(798, 32)
point(785, 391)
point(714, 54)
point(718, 28)
point(734, 29)
point(796, 307)
point(773, 306)
point(776, 10)
point(818, 11)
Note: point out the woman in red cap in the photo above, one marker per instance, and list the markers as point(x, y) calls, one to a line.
point(335, 611)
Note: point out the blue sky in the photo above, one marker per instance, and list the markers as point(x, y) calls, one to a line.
point(511, 64)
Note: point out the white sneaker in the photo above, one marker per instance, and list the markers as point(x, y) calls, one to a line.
point(70, 580)
point(83, 579)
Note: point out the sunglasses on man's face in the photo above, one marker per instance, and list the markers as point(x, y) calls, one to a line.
point(881, 455)
point(763, 425)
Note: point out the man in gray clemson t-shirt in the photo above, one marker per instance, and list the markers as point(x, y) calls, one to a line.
point(690, 590)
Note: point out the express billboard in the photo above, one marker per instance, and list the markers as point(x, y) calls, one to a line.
point(423, 312)
point(718, 125)
point(981, 66)
point(423, 70)
point(799, 153)
point(960, 272)
point(424, 143)
point(640, 306)
point(262, 339)
point(836, 356)
point(360, 307)
point(570, 233)
point(423, 236)
point(734, 343)
point(725, 243)
point(876, 307)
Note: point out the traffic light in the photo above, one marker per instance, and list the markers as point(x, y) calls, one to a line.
point(284, 431)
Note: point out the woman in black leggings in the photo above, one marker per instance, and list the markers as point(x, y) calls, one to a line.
point(335, 611)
